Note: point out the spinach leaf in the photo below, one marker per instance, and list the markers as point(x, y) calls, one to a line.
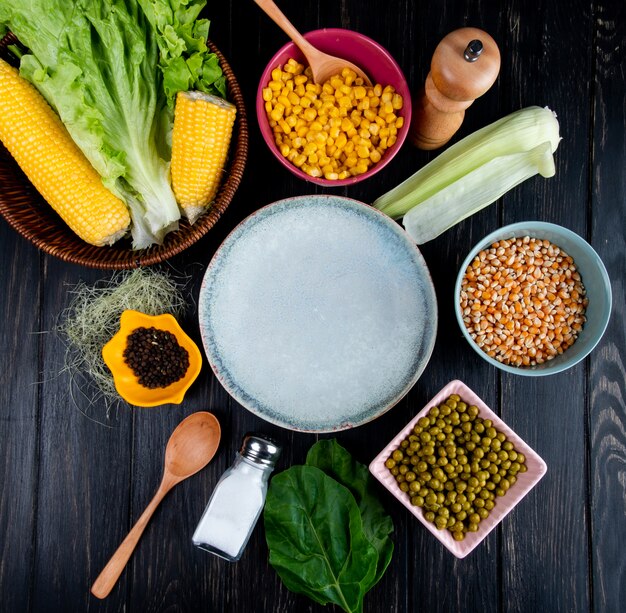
point(336, 462)
point(316, 539)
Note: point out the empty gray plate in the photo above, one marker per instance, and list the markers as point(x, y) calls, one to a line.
point(318, 313)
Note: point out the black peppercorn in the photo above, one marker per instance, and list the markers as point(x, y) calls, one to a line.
point(155, 357)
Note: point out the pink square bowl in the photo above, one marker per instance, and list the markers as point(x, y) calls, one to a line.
point(525, 481)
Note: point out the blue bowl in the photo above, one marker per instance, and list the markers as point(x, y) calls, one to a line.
point(595, 280)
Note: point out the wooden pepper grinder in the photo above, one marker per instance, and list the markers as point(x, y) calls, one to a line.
point(464, 66)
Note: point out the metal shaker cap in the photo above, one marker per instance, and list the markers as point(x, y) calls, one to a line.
point(260, 449)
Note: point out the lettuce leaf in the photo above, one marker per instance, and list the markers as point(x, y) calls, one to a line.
point(111, 69)
point(96, 64)
point(185, 61)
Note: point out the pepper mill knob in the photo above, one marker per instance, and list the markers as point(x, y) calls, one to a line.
point(465, 65)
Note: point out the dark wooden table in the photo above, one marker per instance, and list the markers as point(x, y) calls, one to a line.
point(72, 487)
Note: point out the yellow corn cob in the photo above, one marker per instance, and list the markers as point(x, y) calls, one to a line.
point(203, 126)
point(41, 145)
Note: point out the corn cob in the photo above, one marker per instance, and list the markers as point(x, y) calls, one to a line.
point(203, 126)
point(35, 136)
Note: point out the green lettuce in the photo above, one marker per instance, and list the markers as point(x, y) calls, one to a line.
point(105, 66)
point(185, 60)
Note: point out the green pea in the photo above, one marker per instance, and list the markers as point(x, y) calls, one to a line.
point(441, 523)
point(431, 498)
point(444, 512)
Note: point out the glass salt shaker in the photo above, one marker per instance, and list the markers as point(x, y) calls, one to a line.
point(238, 499)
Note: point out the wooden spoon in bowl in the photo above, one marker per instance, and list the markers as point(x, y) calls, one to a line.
point(323, 66)
point(190, 448)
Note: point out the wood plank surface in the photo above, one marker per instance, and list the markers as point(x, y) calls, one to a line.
point(550, 530)
point(71, 487)
point(19, 417)
point(607, 382)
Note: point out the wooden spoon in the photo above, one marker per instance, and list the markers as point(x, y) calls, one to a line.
point(190, 448)
point(323, 66)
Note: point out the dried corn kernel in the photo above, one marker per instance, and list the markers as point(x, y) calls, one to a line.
point(523, 301)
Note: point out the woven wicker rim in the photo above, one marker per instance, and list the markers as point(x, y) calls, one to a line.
point(27, 212)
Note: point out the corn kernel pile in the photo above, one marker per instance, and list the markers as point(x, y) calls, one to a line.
point(523, 301)
point(335, 130)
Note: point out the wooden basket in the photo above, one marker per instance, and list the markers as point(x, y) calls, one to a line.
point(28, 213)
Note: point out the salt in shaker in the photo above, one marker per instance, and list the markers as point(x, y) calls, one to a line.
point(238, 499)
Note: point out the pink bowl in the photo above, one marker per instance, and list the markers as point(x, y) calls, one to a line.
point(504, 505)
point(365, 53)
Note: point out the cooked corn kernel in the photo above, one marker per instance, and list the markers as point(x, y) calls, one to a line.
point(336, 129)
